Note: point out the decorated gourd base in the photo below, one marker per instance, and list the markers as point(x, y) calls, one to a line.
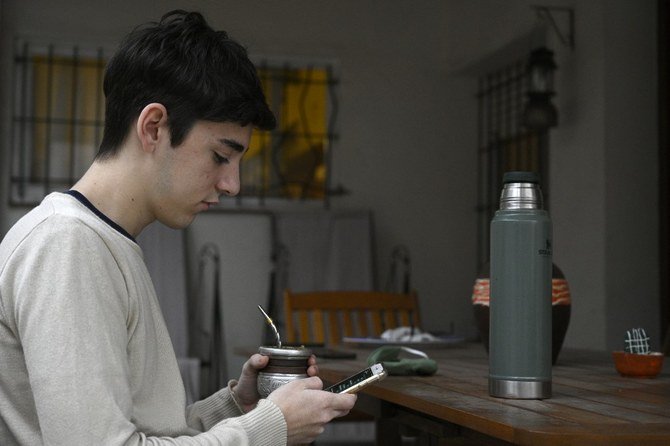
point(560, 308)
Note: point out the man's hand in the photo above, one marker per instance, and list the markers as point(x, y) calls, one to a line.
point(307, 409)
point(246, 392)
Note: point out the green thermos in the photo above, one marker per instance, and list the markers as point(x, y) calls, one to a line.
point(520, 293)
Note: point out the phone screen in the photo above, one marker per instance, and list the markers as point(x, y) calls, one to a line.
point(370, 374)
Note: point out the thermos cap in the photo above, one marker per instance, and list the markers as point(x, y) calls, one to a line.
point(521, 190)
point(521, 177)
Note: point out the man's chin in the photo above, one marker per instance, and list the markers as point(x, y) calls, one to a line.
point(180, 223)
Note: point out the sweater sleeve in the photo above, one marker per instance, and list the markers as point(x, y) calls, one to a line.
point(204, 414)
point(71, 319)
point(72, 309)
point(263, 426)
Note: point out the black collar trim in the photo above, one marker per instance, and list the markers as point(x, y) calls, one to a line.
point(83, 200)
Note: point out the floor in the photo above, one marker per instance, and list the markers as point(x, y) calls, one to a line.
point(363, 434)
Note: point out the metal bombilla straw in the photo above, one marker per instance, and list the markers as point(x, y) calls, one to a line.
point(268, 319)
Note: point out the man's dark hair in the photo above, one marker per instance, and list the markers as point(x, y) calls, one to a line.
point(197, 73)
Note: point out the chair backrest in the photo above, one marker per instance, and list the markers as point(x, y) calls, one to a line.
point(324, 317)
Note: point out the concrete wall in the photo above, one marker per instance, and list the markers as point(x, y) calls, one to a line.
point(631, 170)
point(408, 131)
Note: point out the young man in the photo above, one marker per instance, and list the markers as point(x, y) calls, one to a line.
point(85, 354)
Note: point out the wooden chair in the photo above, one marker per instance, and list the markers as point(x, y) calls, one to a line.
point(325, 317)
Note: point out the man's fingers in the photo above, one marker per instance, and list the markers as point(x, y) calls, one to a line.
point(313, 382)
point(259, 361)
point(255, 362)
point(345, 402)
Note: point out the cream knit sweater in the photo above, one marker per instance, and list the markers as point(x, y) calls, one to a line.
point(85, 357)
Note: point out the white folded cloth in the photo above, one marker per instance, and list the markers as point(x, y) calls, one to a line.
point(407, 334)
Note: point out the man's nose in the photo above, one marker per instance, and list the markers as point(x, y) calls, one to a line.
point(229, 182)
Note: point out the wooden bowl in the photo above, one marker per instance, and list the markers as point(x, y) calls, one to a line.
point(636, 365)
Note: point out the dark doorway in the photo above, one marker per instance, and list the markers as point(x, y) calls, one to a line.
point(664, 164)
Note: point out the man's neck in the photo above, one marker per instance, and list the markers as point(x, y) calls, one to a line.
point(115, 187)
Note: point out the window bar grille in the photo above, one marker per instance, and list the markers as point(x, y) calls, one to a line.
point(99, 98)
point(285, 79)
point(503, 144)
point(330, 129)
point(519, 102)
point(53, 139)
point(509, 105)
point(480, 187)
point(293, 161)
point(497, 132)
point(73, 116)
point(304, 123)
point(264, 159)
point(47, 141)
point(23, 162)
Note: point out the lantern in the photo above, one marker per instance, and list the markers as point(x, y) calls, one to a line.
point(540, 113)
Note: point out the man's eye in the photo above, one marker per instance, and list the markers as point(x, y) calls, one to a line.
point(220, 159)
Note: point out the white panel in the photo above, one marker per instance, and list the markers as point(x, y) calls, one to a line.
point(164, 255)
point(328, 250)
point(244, 243)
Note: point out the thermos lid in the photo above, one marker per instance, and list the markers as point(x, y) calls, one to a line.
point(521, 177)
point(521, 190)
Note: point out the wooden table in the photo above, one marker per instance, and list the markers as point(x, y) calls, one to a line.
point(591, 403)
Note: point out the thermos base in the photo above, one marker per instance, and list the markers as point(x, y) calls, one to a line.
point(522, 390)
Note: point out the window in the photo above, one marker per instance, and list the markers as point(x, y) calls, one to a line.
point(292, 161)
point(58, 123)
point(504, 144)
point(57, 117)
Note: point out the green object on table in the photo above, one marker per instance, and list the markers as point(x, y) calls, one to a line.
point(389, 356)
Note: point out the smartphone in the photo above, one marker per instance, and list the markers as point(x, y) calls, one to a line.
point(356, 382)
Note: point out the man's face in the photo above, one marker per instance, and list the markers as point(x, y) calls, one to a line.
point(194, 174)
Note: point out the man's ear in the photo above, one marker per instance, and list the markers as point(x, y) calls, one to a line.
point(151, 126)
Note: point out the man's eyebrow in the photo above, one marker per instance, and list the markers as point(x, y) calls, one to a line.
point(236, 146)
